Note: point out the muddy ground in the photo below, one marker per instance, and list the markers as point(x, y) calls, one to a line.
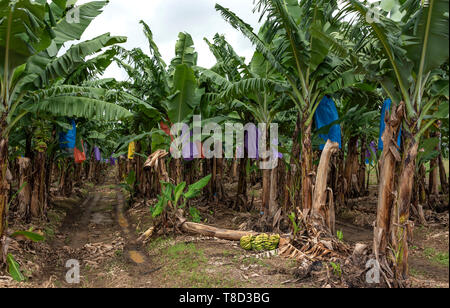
point(96, 230)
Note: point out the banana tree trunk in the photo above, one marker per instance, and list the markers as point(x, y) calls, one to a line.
point(401, 228)
point(25, 181)
point(306, 169)
point(281, 183)
point(86, 171)
point(362, 168)
point(121, 165)
point(179, 171)
point(434, 165)
point(241, 194)
point(235, 169)
point(91, 172)
point(440, 164)
point(138, 170)
point(433, 184)
point(62, 176)
point(265, 197)
point(4, 188)
point(388, 161)
point(38, 196)
point(339, 184)
point(321, 212)
point(419, 194)
point(129, 166)
point(443, 176)
point(65, 183)
point(273, 192)
point(220, 191)
point(290, 189)
point(351, 169)
point(422, 187)
point(77, 174)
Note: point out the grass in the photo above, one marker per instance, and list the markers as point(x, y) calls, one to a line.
point(436, 256)
point(416, 273)
point(49, 233)
point(228, 253)
point(253, 260)
point(55, 217)
point(158, 243)
point(190, 266)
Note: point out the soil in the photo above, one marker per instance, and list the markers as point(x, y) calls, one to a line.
point(100, 233)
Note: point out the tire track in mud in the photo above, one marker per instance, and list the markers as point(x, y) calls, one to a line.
point(81, 236)
point(75, 231)
point(132, 247)
point(94, 222)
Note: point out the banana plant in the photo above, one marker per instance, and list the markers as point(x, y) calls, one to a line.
point(14, 267)
point(249, 87)
point(172, 92)
point(402, 55)
point(174, 194)
point(31, 35)
point(300, 42)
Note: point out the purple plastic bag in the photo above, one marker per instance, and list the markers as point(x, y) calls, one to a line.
point(112, 160)
point(97, 154)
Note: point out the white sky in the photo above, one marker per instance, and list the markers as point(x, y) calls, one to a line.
point(166, 19)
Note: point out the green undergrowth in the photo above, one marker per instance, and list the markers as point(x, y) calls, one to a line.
point(440, 258)
point(189, 264)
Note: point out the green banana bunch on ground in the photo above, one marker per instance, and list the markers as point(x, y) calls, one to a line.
point(260, 242)
point(246, 242)
point(273, 242)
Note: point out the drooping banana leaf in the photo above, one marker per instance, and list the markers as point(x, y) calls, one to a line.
point(68, 30)
point(80, 107)
point(22, 32)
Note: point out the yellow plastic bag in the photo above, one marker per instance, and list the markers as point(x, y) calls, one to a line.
point(131, 149)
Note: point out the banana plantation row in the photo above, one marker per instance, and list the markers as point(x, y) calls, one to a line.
point(323, 71)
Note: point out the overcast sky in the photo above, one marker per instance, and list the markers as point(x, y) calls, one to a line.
point(166, 19)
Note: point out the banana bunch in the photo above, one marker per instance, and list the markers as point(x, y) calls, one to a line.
point(260, 242)
point(246, 242)
point(273, 242)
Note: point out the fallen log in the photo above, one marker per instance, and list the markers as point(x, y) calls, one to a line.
point(224, 234)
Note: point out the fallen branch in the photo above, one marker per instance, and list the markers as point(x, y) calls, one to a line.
point(225, 234)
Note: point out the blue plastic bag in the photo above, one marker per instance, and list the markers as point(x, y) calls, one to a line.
point(326, 114)
point(67, 140)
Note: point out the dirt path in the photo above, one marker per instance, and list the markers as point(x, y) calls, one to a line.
point(100, 233)
point(102, 237)
point(95, 234)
